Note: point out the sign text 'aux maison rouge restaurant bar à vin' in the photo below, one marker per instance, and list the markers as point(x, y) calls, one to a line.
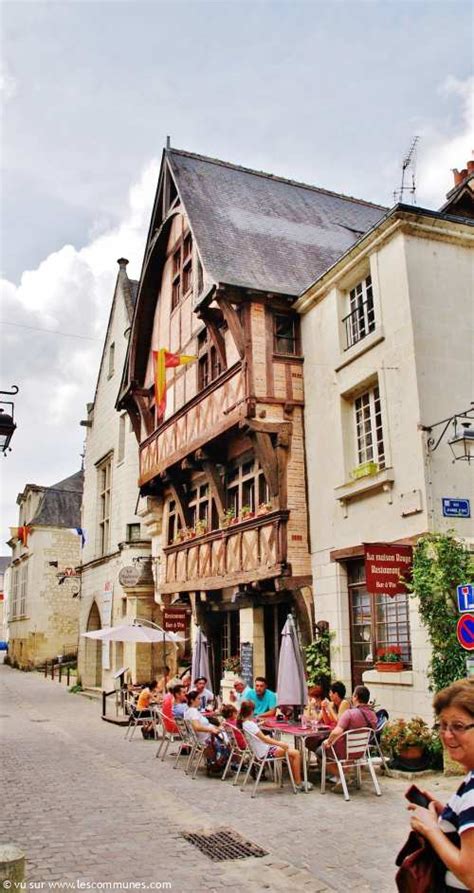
point(387, 567)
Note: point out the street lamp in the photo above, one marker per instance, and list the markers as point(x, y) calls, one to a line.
point(461, 442)
point(7, 422)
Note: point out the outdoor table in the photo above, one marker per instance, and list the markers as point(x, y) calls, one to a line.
point(300, 735)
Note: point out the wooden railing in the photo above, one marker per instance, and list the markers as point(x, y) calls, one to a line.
point(250, 550)
point(206, 416)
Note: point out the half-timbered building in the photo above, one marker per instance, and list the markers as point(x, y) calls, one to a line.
point(228, 250)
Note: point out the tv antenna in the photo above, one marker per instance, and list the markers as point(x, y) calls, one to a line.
point(408, 163)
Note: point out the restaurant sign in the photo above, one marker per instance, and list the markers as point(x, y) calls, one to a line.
point(174, 620)
point(385, 565)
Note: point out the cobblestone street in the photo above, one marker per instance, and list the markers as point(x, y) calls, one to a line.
point(84, 804)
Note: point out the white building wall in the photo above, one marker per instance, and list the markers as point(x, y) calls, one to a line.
point(101, 571)
point(409, 291)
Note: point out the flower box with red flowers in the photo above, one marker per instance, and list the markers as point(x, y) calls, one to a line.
point(389, 660)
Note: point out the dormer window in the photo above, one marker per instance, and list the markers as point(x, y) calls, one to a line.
point(360, 321)
point(285, 335)
point(182, 270)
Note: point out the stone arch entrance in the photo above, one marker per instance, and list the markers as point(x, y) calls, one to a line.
point(93, 651)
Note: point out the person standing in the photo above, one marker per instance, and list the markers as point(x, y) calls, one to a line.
point(450, 828)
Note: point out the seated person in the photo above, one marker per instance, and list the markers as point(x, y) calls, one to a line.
point(163, 682)
point(206, 697)
point(179, 704)
point(239, 692)
point(313, 707)
point(167, 709)
point(262, 745)
point(142, 709)
point(217, 751)
point(229, 715)
point(185, 680)
point(360, 716)
point(264, 700)
point(337, 704)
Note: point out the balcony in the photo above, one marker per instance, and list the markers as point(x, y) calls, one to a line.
point(218, 407)
point(359, 323)
point(249, 550)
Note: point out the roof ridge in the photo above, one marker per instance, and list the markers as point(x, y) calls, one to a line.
point(277, 177)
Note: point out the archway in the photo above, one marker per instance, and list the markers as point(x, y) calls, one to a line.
point(93, 651)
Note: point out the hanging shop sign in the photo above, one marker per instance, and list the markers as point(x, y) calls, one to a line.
point(174, 620)
point(129, 576)
point(385, 566)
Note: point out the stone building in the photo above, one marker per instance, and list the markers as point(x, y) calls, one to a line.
point(228, 251)
point(5, 562)
point(116, 541)
point(387, 335)
point(43, 604)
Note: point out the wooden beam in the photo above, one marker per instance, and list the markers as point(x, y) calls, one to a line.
point(177, 492)
point(267, 458)
point(282, 455)
point(235, 327)
point(215, 485)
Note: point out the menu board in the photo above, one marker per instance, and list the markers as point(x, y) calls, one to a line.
point(246, 662)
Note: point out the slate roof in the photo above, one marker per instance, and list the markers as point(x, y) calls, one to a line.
point(60, 505)
point(258, 231)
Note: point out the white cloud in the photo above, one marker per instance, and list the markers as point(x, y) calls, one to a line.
point(442, 150)
point(69, 292)
point(8, 84)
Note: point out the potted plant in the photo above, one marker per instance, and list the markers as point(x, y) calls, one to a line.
point(200, 527)
point(232, 666)
point(246, 512)
point(389, 660)
point(229, 516)
point(407, 739)
point(364, 470)
point(264, 508)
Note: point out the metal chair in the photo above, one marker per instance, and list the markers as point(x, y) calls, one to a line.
point(237, 753)
point(274, 763)
point(168, 736)
point(357, 750)
point(198, 748)
point(184, 743)
point(375, 741)
point(138, 718)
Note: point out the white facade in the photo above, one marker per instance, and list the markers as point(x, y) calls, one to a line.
point(404, 364)
point(115, 537)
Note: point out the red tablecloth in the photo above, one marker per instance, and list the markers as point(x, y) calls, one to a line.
point(291, 728)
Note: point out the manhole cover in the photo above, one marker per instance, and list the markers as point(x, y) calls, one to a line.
point(39, 720)
point(223, 845)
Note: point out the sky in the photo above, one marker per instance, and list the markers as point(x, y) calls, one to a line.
point(330, 93)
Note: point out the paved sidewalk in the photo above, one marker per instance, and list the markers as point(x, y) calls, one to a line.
point(87, 805)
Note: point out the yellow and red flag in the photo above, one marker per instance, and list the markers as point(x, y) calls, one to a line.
point(21, 533)
point(165, 360)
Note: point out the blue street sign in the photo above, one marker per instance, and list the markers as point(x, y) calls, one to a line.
point(456, 508)
point(465, 597)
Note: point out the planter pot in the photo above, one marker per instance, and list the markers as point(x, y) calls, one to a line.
point(413, 753)
point(382, 667)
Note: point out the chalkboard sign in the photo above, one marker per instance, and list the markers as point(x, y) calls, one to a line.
point(246, 661)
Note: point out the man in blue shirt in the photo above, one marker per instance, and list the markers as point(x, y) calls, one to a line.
point(265, 700)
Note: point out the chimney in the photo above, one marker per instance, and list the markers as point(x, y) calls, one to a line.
point(460, 176)
point(122, 262)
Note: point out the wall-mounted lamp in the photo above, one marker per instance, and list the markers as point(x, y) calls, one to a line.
point(461, 441)
point(7, 421)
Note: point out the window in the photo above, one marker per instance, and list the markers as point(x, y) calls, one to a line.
point(174, 523)
point(203, 508)
point(111, 360)
point(105, 482)
point(121, 439)
point(377, 621)
point(133, 533)
point(209, 365)
point(369, 432)
point(230, 635)
point(23, 587)
point(182, 270)
point(284, 333)
point(14, 601)
point(246, 487)
point(361, 319)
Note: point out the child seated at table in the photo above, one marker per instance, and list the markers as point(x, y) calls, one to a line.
point(262, 745)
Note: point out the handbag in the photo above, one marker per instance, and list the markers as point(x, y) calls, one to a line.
point(420, 870)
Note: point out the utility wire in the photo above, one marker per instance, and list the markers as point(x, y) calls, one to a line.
point(19, 325)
